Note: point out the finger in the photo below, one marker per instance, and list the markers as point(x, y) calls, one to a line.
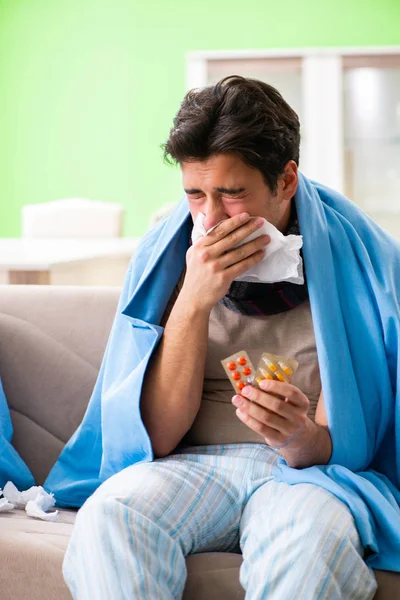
point(288, 391)
point(244, 265)
point(237, 254)
point(225, 227)
point(272, 403)
point(231, 232)
point(264, 416)
point(273, 438)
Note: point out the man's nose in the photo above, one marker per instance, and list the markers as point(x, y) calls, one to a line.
point(213, 217)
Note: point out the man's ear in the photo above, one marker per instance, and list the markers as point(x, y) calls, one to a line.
point(290, 180)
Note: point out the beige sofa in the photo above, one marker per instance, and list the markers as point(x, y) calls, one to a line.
point(51, 345)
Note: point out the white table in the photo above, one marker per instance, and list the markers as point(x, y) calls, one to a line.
point(70, 261)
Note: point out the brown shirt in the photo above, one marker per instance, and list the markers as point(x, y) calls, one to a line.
point(288, 334)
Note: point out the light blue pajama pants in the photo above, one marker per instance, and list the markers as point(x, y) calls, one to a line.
point(132, 535)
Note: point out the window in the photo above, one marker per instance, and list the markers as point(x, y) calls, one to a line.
point(371, 95)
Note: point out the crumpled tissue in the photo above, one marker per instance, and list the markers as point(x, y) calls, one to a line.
point(35, 500)
point(282, 260)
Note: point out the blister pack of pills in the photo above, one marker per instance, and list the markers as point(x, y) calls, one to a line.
point(239, 369)
point(241, 372)
point(272, 366)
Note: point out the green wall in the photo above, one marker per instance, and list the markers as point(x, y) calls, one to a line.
point(88, 88)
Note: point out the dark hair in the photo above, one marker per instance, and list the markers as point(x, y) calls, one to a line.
point(243, 116)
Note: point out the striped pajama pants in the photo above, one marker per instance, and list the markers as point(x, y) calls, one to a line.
point(132, 535)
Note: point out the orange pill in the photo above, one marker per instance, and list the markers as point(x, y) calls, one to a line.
point(236, 376)
point(247, 371)
point(231, 366)
point(279, 376)
point(269, 377)
point(242, 360)
point(240, 385)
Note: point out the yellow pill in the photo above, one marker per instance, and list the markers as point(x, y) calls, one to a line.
point(270, 365)
point(269, 377)
point(285, 368)
point(259, 379)
point(279, 376)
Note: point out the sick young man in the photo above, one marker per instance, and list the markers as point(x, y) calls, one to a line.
point(295, 476)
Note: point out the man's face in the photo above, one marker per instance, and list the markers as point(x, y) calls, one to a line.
point(223, 186)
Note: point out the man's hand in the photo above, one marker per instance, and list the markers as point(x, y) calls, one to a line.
point(213, 262)
point(278, 411)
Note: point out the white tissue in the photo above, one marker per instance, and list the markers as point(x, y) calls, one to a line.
point(13, 495)
point(36, 508)
point(282, 260)
point(5, 505)
point(35, 500)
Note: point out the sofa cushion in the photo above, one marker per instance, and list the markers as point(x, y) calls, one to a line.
point(78, 317)
point(31, 555)
point(213, 575)
point(48, 390)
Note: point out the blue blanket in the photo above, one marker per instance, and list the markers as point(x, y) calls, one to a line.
point(12, 467)
point(353, 274)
